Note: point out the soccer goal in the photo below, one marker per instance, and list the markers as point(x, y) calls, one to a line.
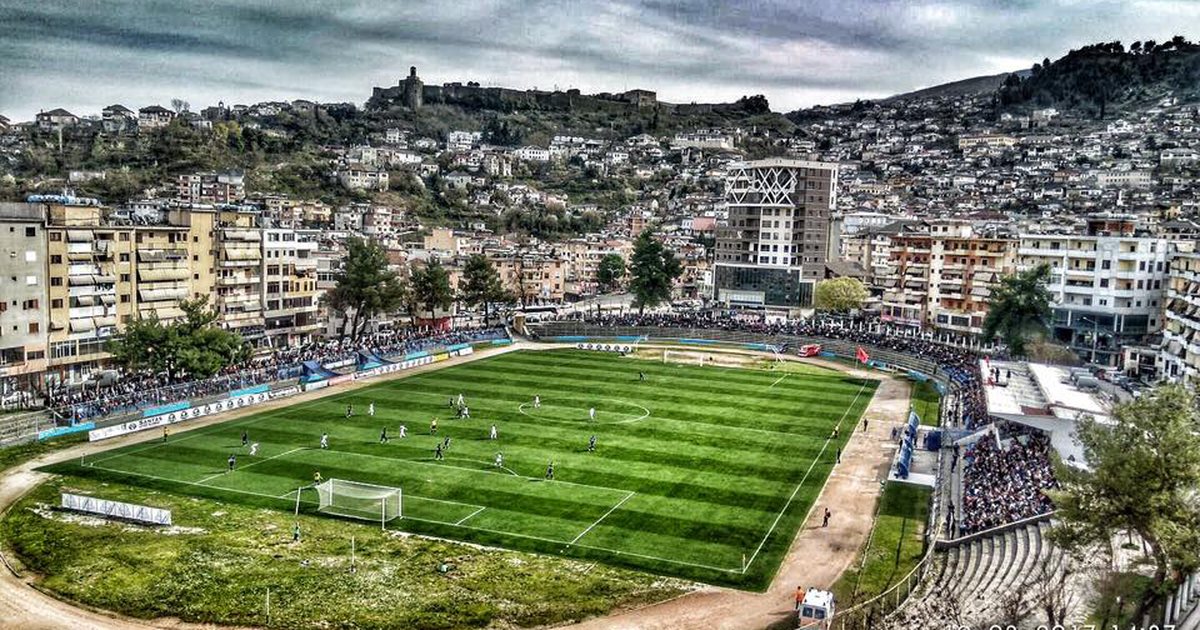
point(683, 357)
point(364, 501)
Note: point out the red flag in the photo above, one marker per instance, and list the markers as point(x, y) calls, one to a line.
point(862, 355)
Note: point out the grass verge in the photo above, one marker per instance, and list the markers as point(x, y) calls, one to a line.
point(927, 402)
point(217, 564)
point(895, 546)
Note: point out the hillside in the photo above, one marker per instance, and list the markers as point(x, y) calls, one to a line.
point(1100, 78)
point(962, 87)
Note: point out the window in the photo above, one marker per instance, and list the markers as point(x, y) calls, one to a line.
point(56, 303)
point(124, 258)
point(31, 281)
point(124, 277)
point(30, 231)
point(56, 259)
point(56, 282)
point(30, 255)
point(124, 236)
point(56, 236)
point(33, 327)
point(29, 304)
point(125, 299)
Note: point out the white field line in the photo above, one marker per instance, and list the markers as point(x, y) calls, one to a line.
point(254, 463)
point(610, 511)
point(448, 523)
point(816, 459)
point(777, 381)
point(464, 519)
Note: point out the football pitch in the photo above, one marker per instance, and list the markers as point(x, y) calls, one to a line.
point(699, 472)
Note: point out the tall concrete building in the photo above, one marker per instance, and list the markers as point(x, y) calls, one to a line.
point(942, 275)
point(1108, 285)
point(24, 309)
point(774, 246)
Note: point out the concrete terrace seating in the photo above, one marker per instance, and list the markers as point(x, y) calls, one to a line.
point(977, 575)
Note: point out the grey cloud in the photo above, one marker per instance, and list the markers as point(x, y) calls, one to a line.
point(86, 55)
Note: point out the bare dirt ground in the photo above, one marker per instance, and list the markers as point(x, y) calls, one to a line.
point(850, 493)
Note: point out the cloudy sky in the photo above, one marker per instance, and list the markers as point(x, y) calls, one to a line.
point(86, 54)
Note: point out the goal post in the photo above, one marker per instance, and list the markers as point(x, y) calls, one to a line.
point(354, 499)
point(683, 357)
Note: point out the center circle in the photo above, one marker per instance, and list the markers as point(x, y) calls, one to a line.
point(608, 411)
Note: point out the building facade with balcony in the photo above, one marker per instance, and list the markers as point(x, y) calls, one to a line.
point(942, 276)
point(1108, 285)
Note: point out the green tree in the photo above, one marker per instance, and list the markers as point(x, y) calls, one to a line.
point(840, 294)
point(366, 286)
point(192, 347)
point(1019, 310)
point(653, 270)
point(610, 271)
point(431, 288)
point(1143, 479)
point(481, 284)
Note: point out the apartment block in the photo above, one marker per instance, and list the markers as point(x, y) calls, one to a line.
point(210, 188)
point(292, 311)
point(1108, 285)
point(1178, 357)
point(239, 274)
point(24, 309)
point(774, 246)
point(943, 276)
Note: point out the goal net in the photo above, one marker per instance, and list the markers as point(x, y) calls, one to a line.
point(364, 501)
point(683, 357)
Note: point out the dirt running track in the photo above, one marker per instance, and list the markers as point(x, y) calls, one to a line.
point(850, 493)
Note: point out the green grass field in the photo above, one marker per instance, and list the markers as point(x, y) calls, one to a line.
point(896, 545)
point(703, 473)
point(927, 402)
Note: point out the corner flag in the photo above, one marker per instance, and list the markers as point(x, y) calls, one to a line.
point(861, 355)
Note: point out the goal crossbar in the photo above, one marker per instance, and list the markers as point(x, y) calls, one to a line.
point(355, 499)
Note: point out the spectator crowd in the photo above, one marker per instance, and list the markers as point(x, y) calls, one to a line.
point(1005, 482)
point(134, 392)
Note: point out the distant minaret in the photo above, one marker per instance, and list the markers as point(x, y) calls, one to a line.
point(413, 90)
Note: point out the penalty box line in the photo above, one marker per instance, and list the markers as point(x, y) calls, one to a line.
point(460, 524)
point(796, 490)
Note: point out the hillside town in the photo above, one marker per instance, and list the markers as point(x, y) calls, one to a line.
point(929, 201)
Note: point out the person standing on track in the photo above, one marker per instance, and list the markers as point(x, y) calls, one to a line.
point(825, 519)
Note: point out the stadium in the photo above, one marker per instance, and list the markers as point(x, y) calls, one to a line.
point(816, 474)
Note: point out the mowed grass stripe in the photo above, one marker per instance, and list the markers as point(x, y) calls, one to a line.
point(710, 467)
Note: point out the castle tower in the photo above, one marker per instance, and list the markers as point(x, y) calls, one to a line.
point(412, 90)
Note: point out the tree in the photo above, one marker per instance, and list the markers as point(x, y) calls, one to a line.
point(481, 284)
point(431, 288)
point(840, 294)
point(653, 270)
point(610, 271)
point(1144, 480)
point(1019, 311)
point(179, 105)
point(366, 286)
point(193, 347)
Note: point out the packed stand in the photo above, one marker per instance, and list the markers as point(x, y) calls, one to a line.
point(138, 392)
point(1005, 484)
